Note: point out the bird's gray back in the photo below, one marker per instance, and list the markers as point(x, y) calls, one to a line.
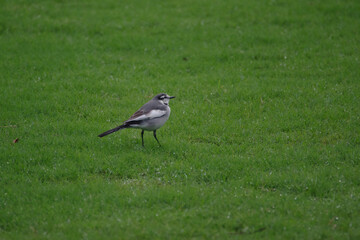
point(153, 105)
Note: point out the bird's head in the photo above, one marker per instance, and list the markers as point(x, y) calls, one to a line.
point(163, 98)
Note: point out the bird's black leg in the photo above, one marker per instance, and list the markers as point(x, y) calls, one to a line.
point(156, 138)
point(142, 137)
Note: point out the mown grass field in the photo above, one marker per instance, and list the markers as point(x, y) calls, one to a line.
point(263, 141)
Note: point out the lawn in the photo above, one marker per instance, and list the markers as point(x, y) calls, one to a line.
point(263, 141)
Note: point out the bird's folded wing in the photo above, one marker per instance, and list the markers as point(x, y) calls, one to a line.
point(141, 115)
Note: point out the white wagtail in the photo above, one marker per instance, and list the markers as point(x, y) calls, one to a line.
point(150, 117)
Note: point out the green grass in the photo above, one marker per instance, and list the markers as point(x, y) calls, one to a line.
point(263, 141)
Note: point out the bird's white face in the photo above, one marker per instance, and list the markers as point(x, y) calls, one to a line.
point(164, 99)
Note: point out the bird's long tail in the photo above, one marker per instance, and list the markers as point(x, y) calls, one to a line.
point(113, 130)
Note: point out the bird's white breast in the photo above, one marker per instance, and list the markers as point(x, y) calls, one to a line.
point(158, 122)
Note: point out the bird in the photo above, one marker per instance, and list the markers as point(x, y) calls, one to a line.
point(150, 117)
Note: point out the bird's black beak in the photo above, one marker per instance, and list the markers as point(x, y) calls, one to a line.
point(172, 97)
